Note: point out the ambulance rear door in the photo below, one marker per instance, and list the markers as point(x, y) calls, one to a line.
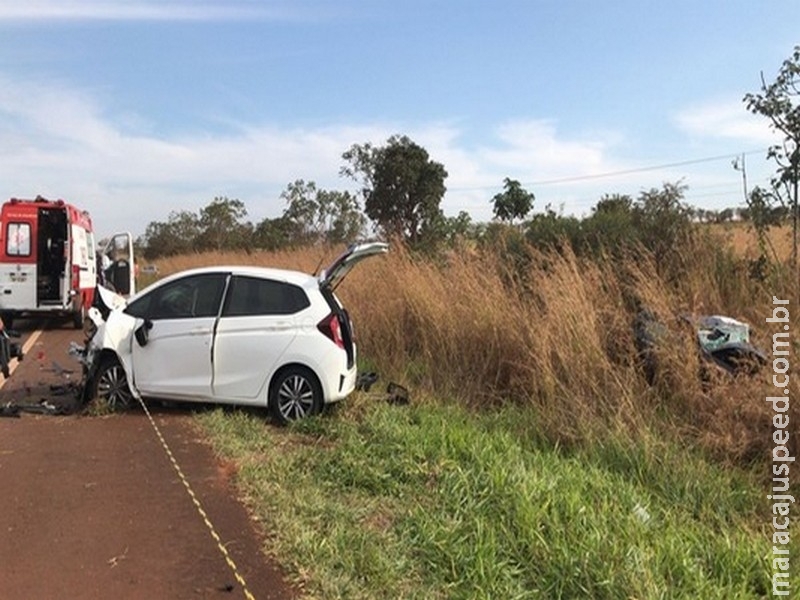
point(18, 259)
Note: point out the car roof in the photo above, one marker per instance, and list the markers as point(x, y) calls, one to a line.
point(287, 275)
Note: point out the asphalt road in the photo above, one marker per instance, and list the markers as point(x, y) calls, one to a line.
point(93, 507)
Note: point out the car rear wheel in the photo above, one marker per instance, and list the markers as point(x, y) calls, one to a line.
point(295, 394)
point(111, 386)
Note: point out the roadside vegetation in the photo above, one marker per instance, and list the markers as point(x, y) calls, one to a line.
point(542, 455)
point(535, 458)
point(433, 501)
point(555, 334)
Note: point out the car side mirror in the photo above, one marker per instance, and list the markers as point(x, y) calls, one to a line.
point(142, 332)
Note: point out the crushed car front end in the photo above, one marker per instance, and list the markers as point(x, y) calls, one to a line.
point(109, 333)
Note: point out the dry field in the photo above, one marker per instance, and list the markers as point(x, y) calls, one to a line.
point(743, 239)
point(558, 337)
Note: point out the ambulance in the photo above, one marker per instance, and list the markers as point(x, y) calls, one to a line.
point(49, 265)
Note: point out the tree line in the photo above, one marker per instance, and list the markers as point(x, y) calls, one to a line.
point(401, 193)
point(400, 190)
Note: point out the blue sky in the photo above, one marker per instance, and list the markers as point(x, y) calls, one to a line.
point(136, 108)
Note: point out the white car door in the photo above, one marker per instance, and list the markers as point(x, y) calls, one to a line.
point(175, 362)
point(256, 327)
point(118, 269)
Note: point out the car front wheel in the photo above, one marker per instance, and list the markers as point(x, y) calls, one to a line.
point(295, 394)
point(111, 386)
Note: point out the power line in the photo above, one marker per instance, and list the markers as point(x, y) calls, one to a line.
point(660, 167)
point(646, 169)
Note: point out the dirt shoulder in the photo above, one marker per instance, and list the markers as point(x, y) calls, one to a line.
point(92, 507)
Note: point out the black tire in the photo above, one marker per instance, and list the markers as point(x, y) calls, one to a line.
point(110, 386)
point(8, 320)
point(295, 394)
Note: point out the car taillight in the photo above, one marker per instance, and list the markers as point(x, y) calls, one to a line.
point(332, 329)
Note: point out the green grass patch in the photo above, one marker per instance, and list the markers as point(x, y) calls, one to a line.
point(434, 501)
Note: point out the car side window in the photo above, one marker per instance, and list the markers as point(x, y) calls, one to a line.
point(194, 296)
point(252, 296)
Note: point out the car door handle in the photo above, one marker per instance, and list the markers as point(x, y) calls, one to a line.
point(200, 331)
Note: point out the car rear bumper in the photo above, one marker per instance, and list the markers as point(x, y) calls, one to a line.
point(340, 381)
point(347, 383)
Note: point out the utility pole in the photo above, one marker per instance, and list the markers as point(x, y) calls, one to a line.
point(743, 168)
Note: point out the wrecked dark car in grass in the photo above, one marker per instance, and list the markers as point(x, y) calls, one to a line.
point(237, 335)
point(722, 342)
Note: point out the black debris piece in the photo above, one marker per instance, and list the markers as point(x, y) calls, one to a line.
point(365, 381)
point(9, 410)
point(396, 394)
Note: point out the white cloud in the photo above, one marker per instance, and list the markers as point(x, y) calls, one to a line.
point(57, 142)
point(535, 149)
point(532, 152)
point(145, 10)
point(728, 119)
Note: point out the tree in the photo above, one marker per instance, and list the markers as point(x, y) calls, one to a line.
point(610, 228)
point(221, 227)
point(322, 216)
point(274, 234)
point(778, 101)
point(762, 215)
point(513, 203)
point(724, 215)
point(664, 223)
point(345, 221)
point(401, 185)
point(613, 204)
point(177, 236)
point(448, 230)
point(553, 230)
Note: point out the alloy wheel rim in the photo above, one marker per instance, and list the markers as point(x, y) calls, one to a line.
point(113, 388)
point(295, 398)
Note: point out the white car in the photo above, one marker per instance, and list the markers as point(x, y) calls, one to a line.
point(231, 335)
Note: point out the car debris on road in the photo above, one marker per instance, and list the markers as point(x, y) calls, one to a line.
point(43, 407)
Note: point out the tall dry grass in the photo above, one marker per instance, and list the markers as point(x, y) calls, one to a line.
point(558, 337)
point(742, 238)
point(563, 343)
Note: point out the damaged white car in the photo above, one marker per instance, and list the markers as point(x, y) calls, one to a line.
point(232, 335)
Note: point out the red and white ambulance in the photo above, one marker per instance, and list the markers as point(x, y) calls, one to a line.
point(48, 260)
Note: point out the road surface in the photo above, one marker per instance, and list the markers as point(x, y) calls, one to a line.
point(92, 507)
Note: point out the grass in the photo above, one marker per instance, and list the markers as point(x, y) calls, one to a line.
point(435, 501)
point(743, 239)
